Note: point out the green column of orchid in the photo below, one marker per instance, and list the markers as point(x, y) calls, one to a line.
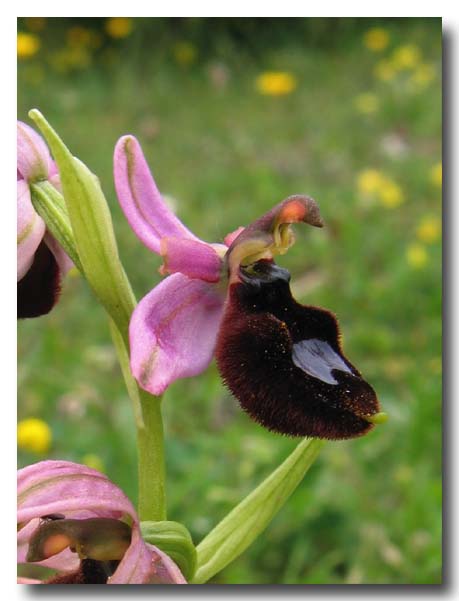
point(95, 252)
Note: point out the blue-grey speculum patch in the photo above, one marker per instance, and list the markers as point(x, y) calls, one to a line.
point(318, 359)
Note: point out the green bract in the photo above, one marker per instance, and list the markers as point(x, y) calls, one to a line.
point(175, 540)
point(92, 227)
point(248, 519)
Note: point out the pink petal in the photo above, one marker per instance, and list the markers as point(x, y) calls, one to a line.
point(140, 199)
point(64, 487)
point(192, 258)
point(30, 229)
point(33, 160)
point(173, 331)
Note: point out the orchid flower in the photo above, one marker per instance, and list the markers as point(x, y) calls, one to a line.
point(41, 262)
point(73, 519)
point(283, 361)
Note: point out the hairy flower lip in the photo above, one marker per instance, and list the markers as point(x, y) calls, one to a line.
point(284, 363)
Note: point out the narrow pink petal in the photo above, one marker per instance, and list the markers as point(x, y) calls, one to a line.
point(173, 331)
point(145, 564)
point(140, 199)
point(33, 160)
point(192, 258)
point(30, 229)
point(230, 238)
point(64, 262)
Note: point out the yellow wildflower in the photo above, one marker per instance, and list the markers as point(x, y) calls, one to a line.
point(384, 70)
point(369, 181)
point(423, 75)
point(367, 103)
point(406, 57)
point(436, 175)
point(184, 53)
point(416, 255)
point(35, 23)
point(429, 229)
point(118, 27)
point(390, 194)
point(94, 461)
point(376, 39)
point(275, 83)
point(28, 44)
point(34, 435)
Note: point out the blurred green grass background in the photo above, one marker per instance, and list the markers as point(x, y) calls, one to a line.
point(354, 120)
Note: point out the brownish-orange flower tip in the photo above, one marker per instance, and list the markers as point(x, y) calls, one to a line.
point(299, 208)
point(294, 209)
point(271, 234)
point(284, 363)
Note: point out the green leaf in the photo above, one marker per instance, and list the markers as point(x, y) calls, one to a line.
point(248, 519)
point(175, 540)
point(92, 227)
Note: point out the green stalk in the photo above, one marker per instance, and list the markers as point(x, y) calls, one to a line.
point(151, 466)
point(150, 439)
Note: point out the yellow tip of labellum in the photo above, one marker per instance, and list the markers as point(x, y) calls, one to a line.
point(377, 418)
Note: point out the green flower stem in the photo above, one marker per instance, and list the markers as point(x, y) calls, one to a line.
point(151, 467)
point(131, 384)
point(248, 519)
point(150, 439)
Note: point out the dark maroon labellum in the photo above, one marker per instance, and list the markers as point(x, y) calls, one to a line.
point(283, 361)
point(39, 289)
